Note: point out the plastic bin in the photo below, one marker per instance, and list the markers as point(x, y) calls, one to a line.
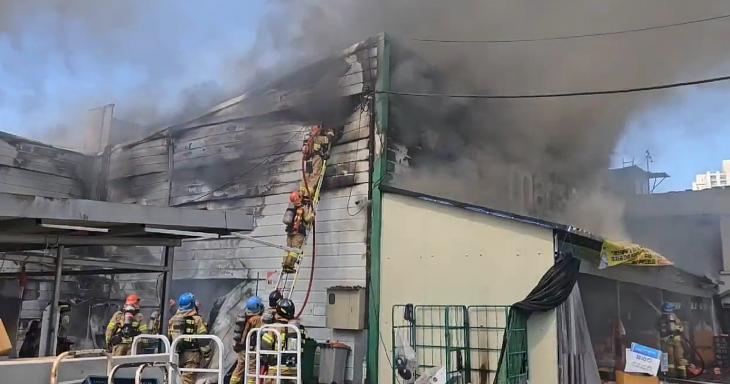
point(333, 363)
point(309, 352)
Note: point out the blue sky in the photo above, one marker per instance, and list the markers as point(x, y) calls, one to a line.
point(55, 66)
point(193, 44)
point(686, 136)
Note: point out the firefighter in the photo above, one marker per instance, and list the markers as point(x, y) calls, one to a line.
point(274, 297)
point(187, 322)
point(124, 326)
point(249, 320)
point(285, 311)
point(200, 313)
point(297, 217)
point(315, 151)
point(670, 329)
point(155, 325)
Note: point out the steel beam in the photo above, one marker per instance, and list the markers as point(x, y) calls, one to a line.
point(86, 240)
point(56, 297)
point(78, 272)
point(36, 259)
point(168, 260)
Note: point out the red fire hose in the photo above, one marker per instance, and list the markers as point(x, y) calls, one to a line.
point(314, 232)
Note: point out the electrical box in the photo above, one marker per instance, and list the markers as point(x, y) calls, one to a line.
point(346, 308)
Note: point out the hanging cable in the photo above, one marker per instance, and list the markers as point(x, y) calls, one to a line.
point(575, 36)
point(567, 94)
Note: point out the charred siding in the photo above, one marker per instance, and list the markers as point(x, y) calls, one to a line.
point(246, 154)
point(32, 168)
point(138, 172)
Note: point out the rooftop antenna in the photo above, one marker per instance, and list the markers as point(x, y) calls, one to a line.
point(649, 160)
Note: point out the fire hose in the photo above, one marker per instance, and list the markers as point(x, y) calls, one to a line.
point(314, 232)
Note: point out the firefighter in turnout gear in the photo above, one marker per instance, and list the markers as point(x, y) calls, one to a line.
point(274, 297)
point(315, 150)
point(285, 311)
point(124, 326)
point(670, 329)
point(249, 320)
point(297, 217)
point(187, 322)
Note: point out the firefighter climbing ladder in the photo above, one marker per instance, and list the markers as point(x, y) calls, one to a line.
point(285, 282)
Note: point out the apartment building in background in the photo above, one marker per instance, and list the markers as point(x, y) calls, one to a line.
point(713, 179)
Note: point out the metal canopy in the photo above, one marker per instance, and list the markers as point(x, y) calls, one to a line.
point(33, 222)
point(39, 223)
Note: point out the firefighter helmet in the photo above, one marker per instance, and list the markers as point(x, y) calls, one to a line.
point(295, 197)
point(286, 309)
point(186, 302)
point(668, 308)
point(132, 299)
point(274, 298)
point(254, 305)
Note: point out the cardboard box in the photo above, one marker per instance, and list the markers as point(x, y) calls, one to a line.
point(5, 345)
point(630, 378)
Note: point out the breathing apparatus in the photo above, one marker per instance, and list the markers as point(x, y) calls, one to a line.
point(129, 312)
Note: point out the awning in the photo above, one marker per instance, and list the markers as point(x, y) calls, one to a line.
point(37, 223)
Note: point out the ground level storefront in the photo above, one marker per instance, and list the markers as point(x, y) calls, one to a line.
point(621, 313)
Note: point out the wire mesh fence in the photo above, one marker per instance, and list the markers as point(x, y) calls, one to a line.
point(466, 341)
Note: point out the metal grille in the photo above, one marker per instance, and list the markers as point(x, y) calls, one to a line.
point(437, 333)
point(467, 341)
point(487, 324)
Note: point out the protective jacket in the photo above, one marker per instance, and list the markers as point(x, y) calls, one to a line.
point(669, 325)
point(122, 329)
point(187, 323)
point(243, 325)
point(297, 218)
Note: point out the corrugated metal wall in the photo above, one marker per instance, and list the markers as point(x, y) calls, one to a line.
point(246, 155)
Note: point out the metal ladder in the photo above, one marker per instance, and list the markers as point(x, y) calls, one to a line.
point(256, 352)
point(286, 282)
point(221, 371)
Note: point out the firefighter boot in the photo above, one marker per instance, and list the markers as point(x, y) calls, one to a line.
point(681, 362)
point(289, 264)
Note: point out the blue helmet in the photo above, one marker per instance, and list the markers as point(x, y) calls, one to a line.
point(254, 305)
point(186, 302)
point(668, 308)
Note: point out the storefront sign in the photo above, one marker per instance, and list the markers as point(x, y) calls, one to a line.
point(642, 359)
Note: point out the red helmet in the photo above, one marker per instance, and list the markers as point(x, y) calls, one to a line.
point(132, 299)
point(296, 197)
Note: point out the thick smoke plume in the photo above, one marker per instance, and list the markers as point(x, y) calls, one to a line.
point(158, 61)
point(570, 139)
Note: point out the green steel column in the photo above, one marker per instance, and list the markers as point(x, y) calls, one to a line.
point(381, 124)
